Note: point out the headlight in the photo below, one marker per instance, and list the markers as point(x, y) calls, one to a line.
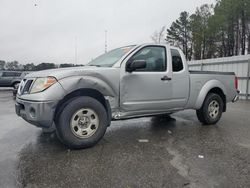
point(41, 84)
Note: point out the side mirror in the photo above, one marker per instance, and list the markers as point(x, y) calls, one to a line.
point(135, 65)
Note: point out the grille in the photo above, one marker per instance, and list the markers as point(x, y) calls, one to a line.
point(25, 86)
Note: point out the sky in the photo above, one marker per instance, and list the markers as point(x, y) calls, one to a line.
point(73, 31)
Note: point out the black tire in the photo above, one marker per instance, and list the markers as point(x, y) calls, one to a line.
point(204, 115)
point(63, 125)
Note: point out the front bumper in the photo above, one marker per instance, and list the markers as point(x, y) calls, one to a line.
point(40, 114)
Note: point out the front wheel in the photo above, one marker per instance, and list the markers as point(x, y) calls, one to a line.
point(82, 123)
point(211, 110)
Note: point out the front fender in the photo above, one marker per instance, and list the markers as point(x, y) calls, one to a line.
point(73, 83)
point(205, 89)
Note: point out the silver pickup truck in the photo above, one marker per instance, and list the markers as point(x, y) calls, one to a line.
point(128, 82)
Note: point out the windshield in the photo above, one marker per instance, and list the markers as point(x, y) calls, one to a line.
point(110, 58)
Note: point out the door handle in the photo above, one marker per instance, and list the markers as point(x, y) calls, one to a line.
point(166, 78)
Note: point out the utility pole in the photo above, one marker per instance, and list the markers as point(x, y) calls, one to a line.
point(106, 45)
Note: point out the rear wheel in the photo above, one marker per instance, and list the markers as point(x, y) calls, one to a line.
point(211, 110)
point(82, 123)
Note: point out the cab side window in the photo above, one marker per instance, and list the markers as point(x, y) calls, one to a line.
point(177, 63)
point(155, 57)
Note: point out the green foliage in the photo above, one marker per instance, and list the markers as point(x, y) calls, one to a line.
point(179, 33)
point(2, 65)
point(66, 65)
point(201, 37)
point(29, 67)
point(14, 65)
point(44, 66)
point(219, 31)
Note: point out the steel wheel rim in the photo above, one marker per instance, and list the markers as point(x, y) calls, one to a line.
point(213, 109)
point(84, 123)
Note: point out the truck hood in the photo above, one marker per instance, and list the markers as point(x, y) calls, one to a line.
point(72, 71)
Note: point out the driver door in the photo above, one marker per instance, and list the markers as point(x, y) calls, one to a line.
point(147, 90)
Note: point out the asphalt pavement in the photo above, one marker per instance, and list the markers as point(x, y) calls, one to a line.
point(146, 152)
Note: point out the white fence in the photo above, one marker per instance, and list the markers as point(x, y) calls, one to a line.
point(238, 64)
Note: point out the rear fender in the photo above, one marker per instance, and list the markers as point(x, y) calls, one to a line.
point(205, 90)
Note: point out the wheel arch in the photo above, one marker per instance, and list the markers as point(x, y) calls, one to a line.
point(14, 82)
point(219, 91)
point(83, 92)
point(213, 86)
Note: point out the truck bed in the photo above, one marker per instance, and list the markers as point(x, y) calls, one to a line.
point(201, 81)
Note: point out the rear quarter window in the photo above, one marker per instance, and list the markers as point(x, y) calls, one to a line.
point(177, 63)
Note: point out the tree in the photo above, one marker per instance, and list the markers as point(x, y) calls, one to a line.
point(2, 65)
point(213, 31)
point(179, 34)
point(29, 67)
point(44, 66)
point(158, 36)
point(13, 65)
point(235, 20)
point(201, 37)
point(66, 65)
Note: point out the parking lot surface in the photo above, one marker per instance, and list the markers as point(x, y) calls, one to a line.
point(145, 152)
